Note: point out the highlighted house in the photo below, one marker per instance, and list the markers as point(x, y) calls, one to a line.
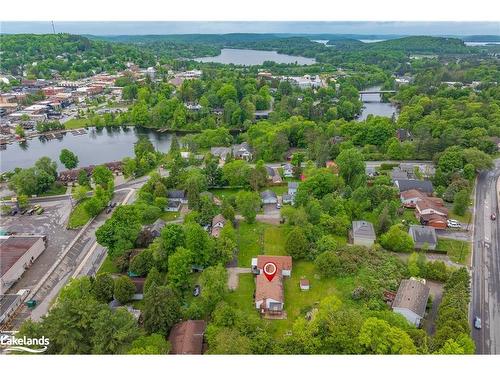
point(269, 294)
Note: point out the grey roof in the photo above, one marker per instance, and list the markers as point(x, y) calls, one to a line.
point(412, 295)
point(363, 229)
point(398, 174)
point(268, 194)
point(158, 225)
point(6, 301)
point(176, 194)
point(293, 185)
point(422, 185)
point(220, 151)
point(287, 198)
point(270, 171)
point(423, 234)
point(173, 204)
point(239, 149)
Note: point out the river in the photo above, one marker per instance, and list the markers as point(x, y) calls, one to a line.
point(373, 105)
point(254, 57)
point(93, 147)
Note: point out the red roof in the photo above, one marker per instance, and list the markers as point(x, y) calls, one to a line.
point(187, 337)
point(282, 262)
point(269, 289)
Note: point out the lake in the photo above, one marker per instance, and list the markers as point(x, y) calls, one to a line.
point(373, 105)
point(94, 147)
point(254, 57)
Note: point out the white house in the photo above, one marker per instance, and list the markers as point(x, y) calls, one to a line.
point(363, 233)
point(411, 300)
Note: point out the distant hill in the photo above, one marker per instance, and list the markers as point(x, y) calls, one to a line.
point(422, 44)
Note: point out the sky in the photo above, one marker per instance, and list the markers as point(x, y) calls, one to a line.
point(212, 27)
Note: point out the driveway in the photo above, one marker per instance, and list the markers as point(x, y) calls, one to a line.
point(454, 234)
point(436, 292)
point(233, 276)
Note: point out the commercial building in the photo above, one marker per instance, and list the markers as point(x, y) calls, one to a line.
point(17, 254)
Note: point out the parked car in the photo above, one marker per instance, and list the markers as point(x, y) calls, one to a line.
point(477, 322)
point(109, 209)
point(453, 224)
point(23, 211)
point(197, 290)
point(278, 205)
point(113, 204)
point(40, 210)
point(31, 211)
point(493, 217)
point(14, 211)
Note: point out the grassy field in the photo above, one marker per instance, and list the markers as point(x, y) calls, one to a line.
point(242, 298)
point(465, 218)
point(458, 251)
point(76, 123)
point(108, 267)
point(56, 189)
point(169, 216)
point(259, 238)
point(224, 193)
point(78, 217)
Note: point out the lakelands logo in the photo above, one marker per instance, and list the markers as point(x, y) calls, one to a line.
point(23, 344)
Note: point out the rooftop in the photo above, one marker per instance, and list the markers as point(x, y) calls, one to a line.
point(423, 234)
point(265, 289)
point(363, 229)
point(424, 186)
point(283, 262)
point(412, 295)
point(187, 337)
point(13, 248)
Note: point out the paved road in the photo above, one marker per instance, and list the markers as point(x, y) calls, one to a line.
point(486, 265)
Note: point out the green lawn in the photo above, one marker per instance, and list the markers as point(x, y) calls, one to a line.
point(56, 189)
point(108, 266)
point(76, 123)
point(242, 298)
point(259, 238)
point(278, 189)
point(169, 216)
point(78, 217)
point(465, 218)
point(457, 250)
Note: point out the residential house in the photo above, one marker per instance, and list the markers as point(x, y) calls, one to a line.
point(424, 237)
point(221, 153)
point(187, 337)
point(177, 195)
point(398, 174)
point(269, 294)
point(269, 197)
point(173, 206)
point(288, 199)
point(156, 228)
point(292, 187)
point(242, 151)
point(404, 135)
point(409, 198)
point(429, 205)
point(218, 223)
point(363, 233)
point(288, 170)
point(411, 300)
point(425, 186)
point(273, 175)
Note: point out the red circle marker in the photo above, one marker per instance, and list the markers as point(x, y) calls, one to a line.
point(270, 270)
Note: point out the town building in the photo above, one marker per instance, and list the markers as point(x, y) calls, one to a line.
point(363, 233)
point(411, 300)
point(273, 175)
point(9, 303)
point(424, 237)
point(17, 254)
point(187, 337)
point(288, 170)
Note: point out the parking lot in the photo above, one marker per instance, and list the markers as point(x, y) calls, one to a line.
point(52, 223)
